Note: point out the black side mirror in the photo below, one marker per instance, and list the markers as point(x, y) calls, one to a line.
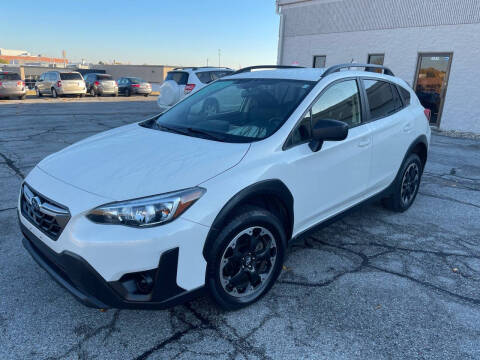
point(327, 130)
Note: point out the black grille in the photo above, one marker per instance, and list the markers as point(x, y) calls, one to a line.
point(48, 216)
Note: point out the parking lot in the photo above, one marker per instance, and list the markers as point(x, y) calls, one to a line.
point(375, 285)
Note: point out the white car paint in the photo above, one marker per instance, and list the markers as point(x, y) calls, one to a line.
point(131, 162)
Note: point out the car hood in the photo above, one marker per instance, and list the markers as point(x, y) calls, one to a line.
point(133, 161)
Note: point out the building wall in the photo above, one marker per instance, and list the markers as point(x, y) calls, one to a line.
point(401, 34)
point(151, 73)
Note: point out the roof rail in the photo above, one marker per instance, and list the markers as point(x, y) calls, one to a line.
point(250, 68)
point(200, 67)
point(368, 67)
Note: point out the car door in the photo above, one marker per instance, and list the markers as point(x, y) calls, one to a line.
point(333, 179)
point(39, 83)
point(391, 127)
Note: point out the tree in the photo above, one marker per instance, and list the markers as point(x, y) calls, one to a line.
point(3, 61)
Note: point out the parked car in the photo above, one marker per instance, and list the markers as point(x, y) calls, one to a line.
point(184, 81)
point(11, 85)
point(149, 214)
point(133, 86)
point(56, 83)
point(101, 84)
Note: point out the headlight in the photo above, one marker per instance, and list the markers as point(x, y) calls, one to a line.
point(149, 211)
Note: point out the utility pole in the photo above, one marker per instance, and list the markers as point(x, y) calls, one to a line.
point(207, 62)
point(219, 54)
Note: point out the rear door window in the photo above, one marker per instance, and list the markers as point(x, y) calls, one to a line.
point(70, 76)
point(383, 98)
point(207, 77)
point(180, 77)
point(10, 76)
point(104, 77)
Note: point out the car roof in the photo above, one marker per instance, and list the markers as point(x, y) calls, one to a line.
point(310, 74)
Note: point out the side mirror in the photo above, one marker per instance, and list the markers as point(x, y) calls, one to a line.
point(327, 130)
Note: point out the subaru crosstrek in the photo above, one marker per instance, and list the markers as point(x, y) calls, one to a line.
point(151, 214)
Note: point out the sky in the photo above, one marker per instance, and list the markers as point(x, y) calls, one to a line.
point(161, 32)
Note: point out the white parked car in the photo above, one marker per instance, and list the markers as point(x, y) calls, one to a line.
point(151, 214)
point(181, 82)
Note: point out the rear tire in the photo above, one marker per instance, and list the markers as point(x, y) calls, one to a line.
point(146, 95)
point(128, 92)
point(54, 93)
point(406, 184)
point(93, 92)
point(39, 94)
point(246, 258)
point(22, 97)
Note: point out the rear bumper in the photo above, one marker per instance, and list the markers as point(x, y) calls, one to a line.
point(103, 91)
point(12, 92)
point(61, 91)
point(141, 91)
point(87, 286)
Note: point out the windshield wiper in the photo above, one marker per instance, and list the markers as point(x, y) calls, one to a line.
point(206, 134)
point(189, 131)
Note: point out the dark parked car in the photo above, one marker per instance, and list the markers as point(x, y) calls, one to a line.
point(11, 85)
point(133, 85)
point(101, 84)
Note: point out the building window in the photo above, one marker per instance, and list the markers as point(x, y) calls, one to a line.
point(376, 59)
point(319, 61)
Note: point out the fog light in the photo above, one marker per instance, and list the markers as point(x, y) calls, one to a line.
point(144, 283)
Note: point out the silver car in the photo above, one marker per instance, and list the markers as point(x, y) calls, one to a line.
point(57, 83)
point(11, 85)
point(101, 84)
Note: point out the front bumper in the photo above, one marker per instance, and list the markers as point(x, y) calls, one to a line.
point(88, 287)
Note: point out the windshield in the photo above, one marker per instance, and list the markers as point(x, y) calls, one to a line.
point(70, 76)
point(242, 110)
point(10, 76)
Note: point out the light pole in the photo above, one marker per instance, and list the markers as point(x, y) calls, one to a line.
point(219, 54)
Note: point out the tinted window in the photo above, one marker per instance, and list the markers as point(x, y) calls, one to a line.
point(341, 101)
point(241, 110)
point(207, 77)
point(10, 76)
point(104, 77)
point(383, 98)
point(52, 77)
point(376, 59)
point(180, 77)
point(319, 61)
point(70, 76)
point(405, 95)
point(136, 80)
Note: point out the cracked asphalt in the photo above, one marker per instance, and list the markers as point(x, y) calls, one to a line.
point(375, 285)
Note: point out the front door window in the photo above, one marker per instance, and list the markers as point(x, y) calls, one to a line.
point(431, 82)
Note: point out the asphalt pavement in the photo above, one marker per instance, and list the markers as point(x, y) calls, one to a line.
point(375, 285)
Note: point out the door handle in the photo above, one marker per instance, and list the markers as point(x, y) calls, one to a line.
point(364, 143)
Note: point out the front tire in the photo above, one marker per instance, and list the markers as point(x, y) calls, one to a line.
point(39, 94)
point(246, 258)
point(405, 186)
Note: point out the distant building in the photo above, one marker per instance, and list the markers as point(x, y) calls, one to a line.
point(21, 57)
point(431, 44)
point(9, 52)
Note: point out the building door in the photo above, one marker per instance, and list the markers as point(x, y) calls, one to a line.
point(431, 81)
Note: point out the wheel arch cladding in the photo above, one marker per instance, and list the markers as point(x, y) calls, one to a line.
point(272, 195)
point(419, 147)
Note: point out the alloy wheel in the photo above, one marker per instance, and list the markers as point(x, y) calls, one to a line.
point(410, 183)
point(248, 262)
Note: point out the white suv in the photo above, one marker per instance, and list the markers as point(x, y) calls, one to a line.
point(185, 81)
point(150, 214)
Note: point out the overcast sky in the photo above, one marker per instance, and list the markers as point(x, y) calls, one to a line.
point(173, 32)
